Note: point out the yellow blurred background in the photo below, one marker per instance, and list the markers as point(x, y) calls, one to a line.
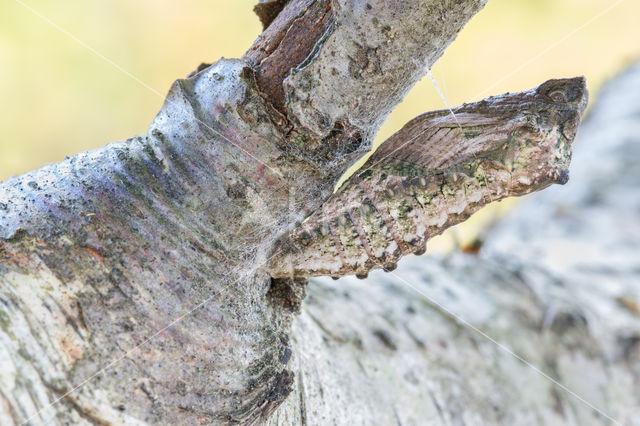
point(66, 68)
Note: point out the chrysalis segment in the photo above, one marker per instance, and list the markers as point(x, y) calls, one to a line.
point(393, 202)
point(355, 256)
point(434, 173)
point(378, 235)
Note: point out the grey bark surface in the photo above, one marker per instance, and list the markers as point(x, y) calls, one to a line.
point(557, 283)
point(133, 285)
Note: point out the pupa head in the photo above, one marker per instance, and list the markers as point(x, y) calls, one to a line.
point(541, 148)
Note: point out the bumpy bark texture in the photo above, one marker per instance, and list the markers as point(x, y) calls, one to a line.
point(162, 240)
point(557, 283)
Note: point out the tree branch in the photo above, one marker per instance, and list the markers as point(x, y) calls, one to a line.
point(335, 69)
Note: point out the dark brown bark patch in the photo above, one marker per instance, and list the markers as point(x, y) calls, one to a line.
point(286, 43)
point(267, 10)
point(287, 293)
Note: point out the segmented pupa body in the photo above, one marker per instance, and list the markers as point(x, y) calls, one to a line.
point(434, 173)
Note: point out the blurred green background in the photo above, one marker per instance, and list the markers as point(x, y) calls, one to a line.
point(59, 97)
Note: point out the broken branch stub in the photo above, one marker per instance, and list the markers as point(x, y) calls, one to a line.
point(434, 173)
point(267, 10)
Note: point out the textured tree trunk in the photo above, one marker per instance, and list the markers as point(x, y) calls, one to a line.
point(135, 282)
